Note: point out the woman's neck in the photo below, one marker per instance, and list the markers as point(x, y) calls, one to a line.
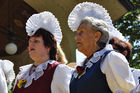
point(40, 61)
point(91, 52)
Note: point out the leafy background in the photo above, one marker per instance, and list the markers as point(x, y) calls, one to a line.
point(129, 26)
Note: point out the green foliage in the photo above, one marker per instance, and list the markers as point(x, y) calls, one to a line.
point(129, 26)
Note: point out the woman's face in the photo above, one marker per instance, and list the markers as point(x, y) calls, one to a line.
point(86, 39)
point(37, 49)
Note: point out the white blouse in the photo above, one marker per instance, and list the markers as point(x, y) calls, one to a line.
point(136, 74)
point(118, 74)
point(7, 68)
point(60, 81)
point(116, 69)
point(3, 84)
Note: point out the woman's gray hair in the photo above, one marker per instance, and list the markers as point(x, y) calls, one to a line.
point(101, 26)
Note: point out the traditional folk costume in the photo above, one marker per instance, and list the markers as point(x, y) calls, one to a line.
point(50, 76)
point(107, 71)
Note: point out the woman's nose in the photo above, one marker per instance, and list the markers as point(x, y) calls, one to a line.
point(76, 37)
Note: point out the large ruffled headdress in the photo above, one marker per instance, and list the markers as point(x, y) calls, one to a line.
point(89, 9)
point(47, 21)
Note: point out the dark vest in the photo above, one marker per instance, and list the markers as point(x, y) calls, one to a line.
point(41, 85)
point(93, 81)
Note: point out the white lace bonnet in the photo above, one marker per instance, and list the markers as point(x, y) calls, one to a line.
point(89, 9)
point(47, 21)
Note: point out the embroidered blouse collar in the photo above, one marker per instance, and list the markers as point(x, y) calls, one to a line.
point(96, 56)
point(41, 66)
point(24, 74)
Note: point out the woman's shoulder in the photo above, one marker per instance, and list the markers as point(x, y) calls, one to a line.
point(63, 69)
point(115, 59)
point(64, 66)
point(6, 62)
point(23, 69)
point(6, 65)
point(116, 55)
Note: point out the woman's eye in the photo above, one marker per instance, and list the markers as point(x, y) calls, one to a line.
point(80, 33)
point(36, 41)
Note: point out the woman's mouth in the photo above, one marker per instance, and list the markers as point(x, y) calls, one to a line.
point(32, 49)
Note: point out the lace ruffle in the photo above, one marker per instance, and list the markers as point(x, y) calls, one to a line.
point(89, 9)
point(95, 58)
point(45, 20)
point(39, 71)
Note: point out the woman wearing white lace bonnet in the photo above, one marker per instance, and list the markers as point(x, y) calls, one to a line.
point(89, 9)
point(8, 73)
point(45, 75)
point(113, 65)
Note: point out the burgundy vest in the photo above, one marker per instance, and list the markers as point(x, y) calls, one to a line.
point(41, 85)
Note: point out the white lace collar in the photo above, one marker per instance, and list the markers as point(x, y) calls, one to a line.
point(24, 72)
point(97, 55)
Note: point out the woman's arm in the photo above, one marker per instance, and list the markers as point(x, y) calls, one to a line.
point(118, 73)
point(61, 79)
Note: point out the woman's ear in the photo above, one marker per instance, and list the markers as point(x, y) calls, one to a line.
point(97, 36)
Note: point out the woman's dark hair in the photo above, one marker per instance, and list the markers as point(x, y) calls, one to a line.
point(49, 41)
point(121, 46)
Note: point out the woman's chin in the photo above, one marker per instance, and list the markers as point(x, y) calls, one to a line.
point(80, 49)
point(33, 57)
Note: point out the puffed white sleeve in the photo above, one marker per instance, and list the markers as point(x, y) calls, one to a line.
point(3, 85)
point(118, 73)
point(8, 70)
point(61, 79)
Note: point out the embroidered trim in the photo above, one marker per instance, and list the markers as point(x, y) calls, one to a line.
point(39, 71)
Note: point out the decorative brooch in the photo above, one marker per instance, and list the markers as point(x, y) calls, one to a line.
point(21, 83)
point(80, 70)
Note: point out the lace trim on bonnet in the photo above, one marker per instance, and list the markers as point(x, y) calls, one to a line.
point(47, 21)
point(89, 9)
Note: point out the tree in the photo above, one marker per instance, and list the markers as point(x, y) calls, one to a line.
point(129, 26)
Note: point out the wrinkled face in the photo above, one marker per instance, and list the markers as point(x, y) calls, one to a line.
point(86, 39)
point(37, 49)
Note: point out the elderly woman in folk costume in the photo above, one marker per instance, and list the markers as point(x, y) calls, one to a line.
point(45, 75)
point(104, 70)
point(7, 75)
